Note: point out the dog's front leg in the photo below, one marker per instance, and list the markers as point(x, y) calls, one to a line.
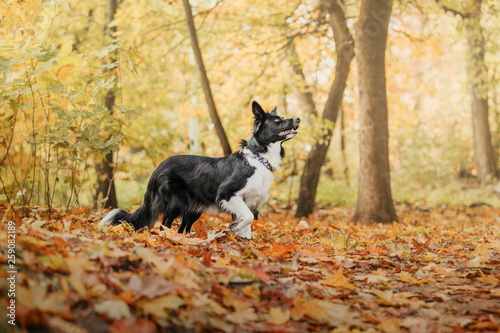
point(243, 216)
point(245, 232)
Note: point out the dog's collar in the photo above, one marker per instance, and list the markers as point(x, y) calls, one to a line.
point(261, 159)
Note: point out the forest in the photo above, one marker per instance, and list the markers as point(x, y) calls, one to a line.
point(385, 214)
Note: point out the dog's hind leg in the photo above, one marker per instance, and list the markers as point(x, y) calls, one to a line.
point(237, 207)
point(169, 217)
point(193, 219)
point(187, 221)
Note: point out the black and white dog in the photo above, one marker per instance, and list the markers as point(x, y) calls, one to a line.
point(187, 185)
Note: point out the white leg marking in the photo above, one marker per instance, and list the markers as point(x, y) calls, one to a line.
point(238, 208)
point(108, 218)
point(245, 232)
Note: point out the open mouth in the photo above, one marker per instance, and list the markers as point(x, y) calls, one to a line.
point(290, 131)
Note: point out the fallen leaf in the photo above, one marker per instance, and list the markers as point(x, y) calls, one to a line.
point(389, 326)
point(309, 309)
point(132, 325)
point(158, 306)
point(150, 286)
point(115, 309)
point(394, 279)
point(338, 280)
point(277, 316)
point(59, 324)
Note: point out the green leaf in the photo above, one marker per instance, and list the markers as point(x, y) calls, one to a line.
point(115, 140)
point(48, 53)
point(104, 51)
point(57, 87)
point(109, 66)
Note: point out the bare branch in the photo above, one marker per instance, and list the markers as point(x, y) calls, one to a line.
point(452, 10)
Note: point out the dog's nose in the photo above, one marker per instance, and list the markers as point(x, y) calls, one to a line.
point(296, 120)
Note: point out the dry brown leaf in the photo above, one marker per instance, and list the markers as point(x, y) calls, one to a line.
point(115, 309)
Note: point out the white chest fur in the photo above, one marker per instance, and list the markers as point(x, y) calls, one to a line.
point(273, 155)
point(256, 191)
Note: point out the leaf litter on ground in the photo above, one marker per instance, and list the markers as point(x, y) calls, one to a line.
point(438, 270)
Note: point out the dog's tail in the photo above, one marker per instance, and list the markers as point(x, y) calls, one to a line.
point(142, 217)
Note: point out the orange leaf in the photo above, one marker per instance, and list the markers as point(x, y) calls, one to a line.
point(338, 280)
point(309, 309)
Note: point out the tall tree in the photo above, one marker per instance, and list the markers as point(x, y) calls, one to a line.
point(342, 146)
point(105, 168)
point(484, 153)
point(344, 46)
point(374, 193)
point(205, 83)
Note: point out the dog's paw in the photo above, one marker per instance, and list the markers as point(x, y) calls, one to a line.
point(241, 230)
point(244, 235)
point(248, 237)
point(235, 227)
point(245, 232)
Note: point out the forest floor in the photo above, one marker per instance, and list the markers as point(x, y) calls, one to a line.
point(437, 270)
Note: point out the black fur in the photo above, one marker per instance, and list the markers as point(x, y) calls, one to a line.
point(187, 185)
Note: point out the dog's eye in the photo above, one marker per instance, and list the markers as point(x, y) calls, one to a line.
point(277, 120)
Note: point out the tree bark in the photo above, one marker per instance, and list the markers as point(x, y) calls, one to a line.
point(484, 153)
point(104, 169)
point(374, 202)
point(304, 95)
point(342, 146)
point(316, 158)
point(204, 80)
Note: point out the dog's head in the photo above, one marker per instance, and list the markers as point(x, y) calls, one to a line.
point(268, 127)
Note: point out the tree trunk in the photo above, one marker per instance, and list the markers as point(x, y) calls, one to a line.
point(316, 158)
point(304, 95)
point(374, 194)
point(477, 70)
point(104, 169)
point(342, 146)
point(204, 80)
point(478, 89)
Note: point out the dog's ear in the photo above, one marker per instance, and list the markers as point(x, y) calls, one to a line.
point(274, 112)
point(258, 111)
point(259, 114)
